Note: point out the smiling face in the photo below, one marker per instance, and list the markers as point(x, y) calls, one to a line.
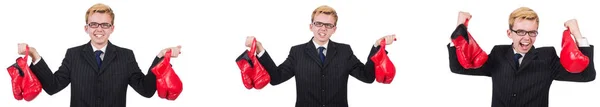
point(323, 27)
point(99, 24)
point(99, 28)
point(324, 21)
point(523, 26)
point(523, 34)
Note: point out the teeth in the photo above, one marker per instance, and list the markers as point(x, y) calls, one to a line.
point(322, 34)
point(525, 43)
point(99, 35)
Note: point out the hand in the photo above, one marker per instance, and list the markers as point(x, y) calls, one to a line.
point(32, 52)
point(175, 51)
point(463, 17)
point(249, 40)
point(573, 28)
point(389, 39)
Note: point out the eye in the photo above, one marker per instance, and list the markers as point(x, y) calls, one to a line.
point(106, 24)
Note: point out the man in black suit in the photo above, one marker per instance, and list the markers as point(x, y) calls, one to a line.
point(321, 66)
point(522, 74)
point(98, 71)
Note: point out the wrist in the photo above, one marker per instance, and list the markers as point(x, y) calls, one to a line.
point(258, 50)
point(35, 57)
point(34, 54)
point(161, 54)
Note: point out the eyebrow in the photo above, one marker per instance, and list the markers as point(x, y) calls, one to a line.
point(524, 30)
point(323, 22)
point(100, 23)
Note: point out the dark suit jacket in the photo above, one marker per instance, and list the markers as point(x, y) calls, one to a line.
point(320, 85)
point(529, 85)
point(91, 87)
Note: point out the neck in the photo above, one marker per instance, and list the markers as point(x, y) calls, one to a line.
point(320, 43)
point(518, 51)
point(99, 46)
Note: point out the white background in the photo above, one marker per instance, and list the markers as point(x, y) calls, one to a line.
point(212, 34)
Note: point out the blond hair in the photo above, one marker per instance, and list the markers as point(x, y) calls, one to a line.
point(522, 13)
point(324, 9)
point(100, 8)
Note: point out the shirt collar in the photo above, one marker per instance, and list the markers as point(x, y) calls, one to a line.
point(317, 45)
point(103, 49)
point(515, 52)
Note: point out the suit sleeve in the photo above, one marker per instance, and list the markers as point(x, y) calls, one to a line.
point(455, 66)
point(281, 73)
point(589, 74)
point(144, 85)
point(360, 71)
point(52, 83)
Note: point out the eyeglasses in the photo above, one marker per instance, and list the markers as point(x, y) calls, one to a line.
point(96, 25)
point(321, 24)
point(523, 32)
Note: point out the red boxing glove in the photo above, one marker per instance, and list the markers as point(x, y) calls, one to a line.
point(168, 84)
point(468, 52)
point(384, 68)
point(16, 75)
point(245, 65)
point(261, 76)
point(570, 57)
point(253, 73)
point(25, 83)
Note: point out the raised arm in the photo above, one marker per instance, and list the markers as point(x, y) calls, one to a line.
point(52, 83)
point(145, 85)
point(576, 62)
point(281, 73)
point(277, 74)
point(360, 71)
point(465, 55)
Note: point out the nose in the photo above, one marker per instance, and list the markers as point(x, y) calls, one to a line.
point(322, 29)
point(98, 30)
point(526, 37)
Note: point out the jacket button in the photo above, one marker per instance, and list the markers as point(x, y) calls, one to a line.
point(514, 94)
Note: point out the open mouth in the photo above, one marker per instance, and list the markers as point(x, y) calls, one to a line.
point(524, 45)
point(322, 34)
point(99, 35)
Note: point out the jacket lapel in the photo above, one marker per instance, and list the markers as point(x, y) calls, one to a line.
point(88, 55)
point(331, 51)
point(109, 55)
point(529, 56)
point(510, 56)
point(311, 51)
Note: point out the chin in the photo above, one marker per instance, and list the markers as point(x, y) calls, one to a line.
point(524, 50)
point(99, 41)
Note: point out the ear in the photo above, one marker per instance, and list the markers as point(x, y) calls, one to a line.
point(508, 33)
point(85, 28)
point(310, 27)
